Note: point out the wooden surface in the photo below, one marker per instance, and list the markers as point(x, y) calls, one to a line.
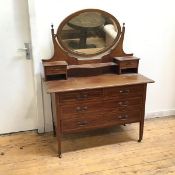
point(55, 63)
point(127, 58)
point(104, 152)
point(106, 80)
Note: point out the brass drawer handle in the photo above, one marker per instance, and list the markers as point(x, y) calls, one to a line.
point(82, 123)
point(124, 117)
point(81, 109)
point(78, 109)
point(85, 95)
point(81, 96)
point(126, 91)
point(123, 103)
point(84, 108)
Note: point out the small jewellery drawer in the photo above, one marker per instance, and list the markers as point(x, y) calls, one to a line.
point(122, 117)
point(83, 95)
point(51, 70)
point(124, 91)
point(129, 64)
point(82, 123)
point(71, 111)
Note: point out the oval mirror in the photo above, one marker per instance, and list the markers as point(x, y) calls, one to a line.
point(88, 32)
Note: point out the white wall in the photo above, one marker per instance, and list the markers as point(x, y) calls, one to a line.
point(150, 35)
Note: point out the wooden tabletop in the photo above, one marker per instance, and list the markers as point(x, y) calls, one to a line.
point(100, 81)
point(55, 63)
point(87, 20)
point(126, 58)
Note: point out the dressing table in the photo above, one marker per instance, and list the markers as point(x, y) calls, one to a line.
point(93, 83)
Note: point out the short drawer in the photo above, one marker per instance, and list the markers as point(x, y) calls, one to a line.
point(84, 122)
point(78, 109)
point(122, 117)
point(52, 70)
point(124, 91)
point(79, 96)
point(129, 64)
point(123, 109)
point(122, 103)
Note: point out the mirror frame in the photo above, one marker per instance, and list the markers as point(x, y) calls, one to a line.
point(79, 54)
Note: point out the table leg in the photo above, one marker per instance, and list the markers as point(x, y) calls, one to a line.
point(59, 146)
point(53, 122)
point(141, 126)
point(83, 36)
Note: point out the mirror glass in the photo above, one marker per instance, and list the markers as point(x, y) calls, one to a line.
point(89, 32)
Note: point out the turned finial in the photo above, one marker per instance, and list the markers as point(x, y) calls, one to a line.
point(123, 24)
point(52, 26)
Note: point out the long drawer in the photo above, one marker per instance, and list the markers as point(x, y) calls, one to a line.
point(80, 96)
point(78, 109)
point(86, 122)
point(124, 91)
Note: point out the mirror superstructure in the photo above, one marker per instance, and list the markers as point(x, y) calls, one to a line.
point(89, 32)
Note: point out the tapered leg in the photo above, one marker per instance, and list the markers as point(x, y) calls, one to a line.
point(141, 131)
point(59, 146)
point(53, 122)
point(54, 131)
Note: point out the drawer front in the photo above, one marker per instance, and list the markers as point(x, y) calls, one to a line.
point(80, 96)
point(122, 117)
point(129, 64)
point(123, 109)
point(51, 70)
point(124, 91)
point(78, 109)
point(84, 122)
point(122, 103)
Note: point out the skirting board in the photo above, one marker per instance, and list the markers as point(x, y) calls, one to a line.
point(159, 114)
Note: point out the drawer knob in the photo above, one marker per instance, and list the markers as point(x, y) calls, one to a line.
point(123, 117)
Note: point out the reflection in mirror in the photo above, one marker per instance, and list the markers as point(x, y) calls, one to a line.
point(88, 33)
